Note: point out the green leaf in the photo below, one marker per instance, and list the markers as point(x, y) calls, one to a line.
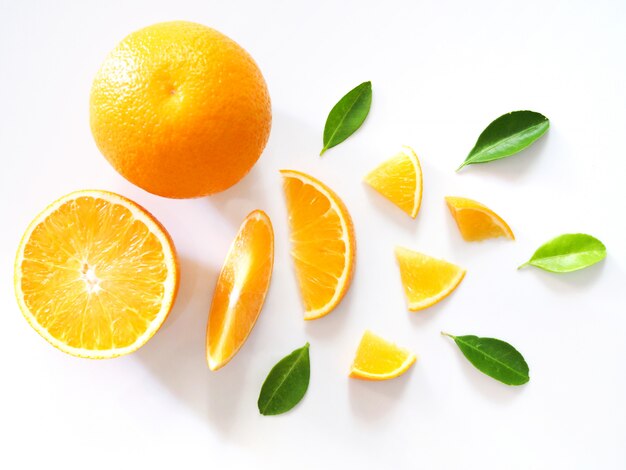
point(347, 115)
point(507, 135)
point(286, 383)
point(494, 357)
point(569, 252)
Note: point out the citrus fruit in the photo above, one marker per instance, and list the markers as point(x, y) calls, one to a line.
point(241, 289)
point(95, 274)
point(378, 359)
point(180, 110)
point(426, 280)
point(322, 242)
point(476, 221)
point(399, 179)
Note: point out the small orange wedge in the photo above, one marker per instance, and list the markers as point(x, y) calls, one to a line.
point(96, 275)
point(477, 222)
point(378, 359)
point(399, 179)
point(322, 242)
point(426, 280)
point(241, 289)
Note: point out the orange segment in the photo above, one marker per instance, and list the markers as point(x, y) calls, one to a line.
point(241, 289)
point(378, 359)
point(399, 179)
point(322, 242)
point(426, 280)
point(476, 221)
point(95, 274)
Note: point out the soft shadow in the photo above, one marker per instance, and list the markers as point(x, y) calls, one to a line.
point(575, 281)
point(491, 389)
point(237, 202)
point(391, 211)
point(326, 329)
point(372, 401)
point(176, 355)
point(514, 167)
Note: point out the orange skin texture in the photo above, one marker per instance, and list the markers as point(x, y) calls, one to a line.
point(180, 110)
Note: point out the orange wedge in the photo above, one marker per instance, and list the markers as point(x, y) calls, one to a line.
point(399, 179)
point(241, 289)
point(476, 221)
point(378, 359)
point(426, 280)
point(322, 242)
point(95, 274)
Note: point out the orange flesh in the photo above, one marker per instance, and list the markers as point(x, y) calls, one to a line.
point(378, 359)
point(426, 280)
point(93, 276)
point(399, 179)
point(477, 222)
point(241, 289)
point(322, 242)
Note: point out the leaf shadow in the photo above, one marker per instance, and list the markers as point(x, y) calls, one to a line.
point(176, 354)
point(491, 389)
point(515, 166)
point(373, 400)
point(575, 281)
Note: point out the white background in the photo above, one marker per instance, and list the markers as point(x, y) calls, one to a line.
point(441, 71)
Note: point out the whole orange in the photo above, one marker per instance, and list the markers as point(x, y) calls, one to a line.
point(180, 110)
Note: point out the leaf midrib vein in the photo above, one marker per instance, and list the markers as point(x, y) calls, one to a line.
point(283, 380)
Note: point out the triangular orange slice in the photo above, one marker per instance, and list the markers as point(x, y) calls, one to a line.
point(426, 280)
point(322, 242)
point(399, 179)
point(241, 289)
point(379, 359)
point(477, 222)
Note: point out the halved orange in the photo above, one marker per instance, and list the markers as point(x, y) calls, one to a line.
point(322, 242)
point(399, 179)
point(379, 359)
point(426, 280)
point(476, 221)
point(241, 289)
point(95, 274)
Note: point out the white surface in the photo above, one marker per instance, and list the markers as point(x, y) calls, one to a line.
point(441, 71)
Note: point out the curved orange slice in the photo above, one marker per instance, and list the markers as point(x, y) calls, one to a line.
point(322, 242)
point(399, 179)
point(241, 289)
point(95, 274)
point(378, 359)
point(426, 280)
point(476, 221)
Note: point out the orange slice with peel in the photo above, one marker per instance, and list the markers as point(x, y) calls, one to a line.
point(477, 222)
point(399, 179)
point(378, 359)
point(95, 274)
point(241, 289)
point(323, 244)
point(426, 280)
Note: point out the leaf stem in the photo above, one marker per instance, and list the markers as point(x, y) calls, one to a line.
point(448, 335)
point(323, 150)
point(459, 168)
point(523, 265)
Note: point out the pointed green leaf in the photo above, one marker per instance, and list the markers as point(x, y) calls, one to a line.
point(569, 252)
point(494, 357)
point(286, 383)
point(507, 135)
point(347, 115)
